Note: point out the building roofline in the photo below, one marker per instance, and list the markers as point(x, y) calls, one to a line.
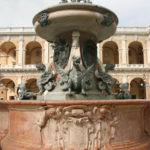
point(31, 31)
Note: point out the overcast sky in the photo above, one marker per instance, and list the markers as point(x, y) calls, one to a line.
point(19, 13)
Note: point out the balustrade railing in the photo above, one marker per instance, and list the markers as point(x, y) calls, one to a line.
point(132, 66)
point(17, 67)
point(33, 67)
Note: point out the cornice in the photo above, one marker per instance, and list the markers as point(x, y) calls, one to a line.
point(133, 31)
point(31, 69)
point(25, 31)
point(17, 31)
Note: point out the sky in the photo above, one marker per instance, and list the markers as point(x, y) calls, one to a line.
point(19, 13)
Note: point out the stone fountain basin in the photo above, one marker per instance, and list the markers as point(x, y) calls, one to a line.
point(77, 125)
point(64, 18)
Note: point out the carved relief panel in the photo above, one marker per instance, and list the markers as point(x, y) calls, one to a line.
point(78, 127)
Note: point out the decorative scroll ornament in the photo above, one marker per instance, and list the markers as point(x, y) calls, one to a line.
point(43, 20)
point(78, 127)
point(108, 20)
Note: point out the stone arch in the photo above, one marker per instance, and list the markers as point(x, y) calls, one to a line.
point(31, 85)
point(110, 53)
point(8, 53)
point(33, 53)
point(138, 88)
point(135, 53)
point(7, 89)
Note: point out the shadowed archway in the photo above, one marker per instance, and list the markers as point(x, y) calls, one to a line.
point(33, 53)
point(7, 89)
point(8, 53)
point(136, 53)
point(110, 53)
point(138, 89)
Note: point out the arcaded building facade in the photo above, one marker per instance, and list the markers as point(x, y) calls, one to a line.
point(21, 49)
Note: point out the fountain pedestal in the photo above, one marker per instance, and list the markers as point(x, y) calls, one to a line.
point(77, 125)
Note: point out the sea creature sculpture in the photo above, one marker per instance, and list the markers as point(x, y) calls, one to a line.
point(124, 93)
point(46, 80)
point(23, 93)
point(105, 81)
point(75, 79)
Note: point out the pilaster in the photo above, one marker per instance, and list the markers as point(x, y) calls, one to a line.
point(101, 53)
point(124, 80)
point(20, 56)
point(124, 51)
point(120, 55)
point(145, 56)
point(148, 50)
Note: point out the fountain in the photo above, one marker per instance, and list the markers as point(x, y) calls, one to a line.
point(76, 108)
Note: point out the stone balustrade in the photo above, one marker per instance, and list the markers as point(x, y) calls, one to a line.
point(17, 67)
point(17, 30)
point(120, 30)
point(132, 66)
point(133, 30)
point(33, 67)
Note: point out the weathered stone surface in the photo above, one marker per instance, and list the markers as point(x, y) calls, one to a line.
point(78, 125)
point(3, 122)
point(75, 17)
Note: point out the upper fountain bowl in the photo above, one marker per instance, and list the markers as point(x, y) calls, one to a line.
point(96, 20)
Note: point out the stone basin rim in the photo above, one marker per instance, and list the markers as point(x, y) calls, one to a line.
point(77, 102)
point(96, 8)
